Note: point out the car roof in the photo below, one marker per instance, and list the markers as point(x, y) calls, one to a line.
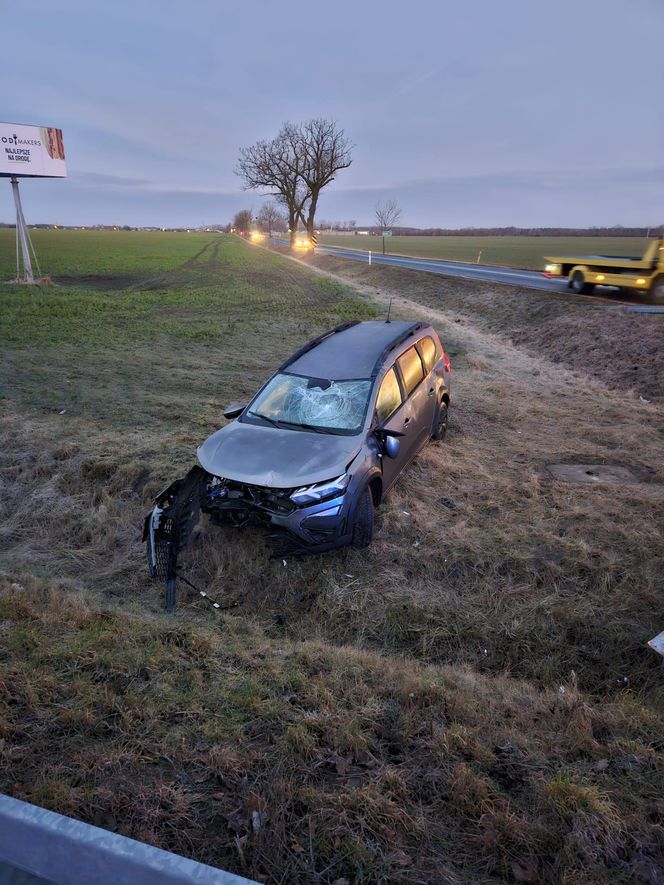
point(351, 352)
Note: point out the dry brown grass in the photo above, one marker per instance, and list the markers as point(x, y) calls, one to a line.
point(526, 573)
point(469, 700)
point(305, 762)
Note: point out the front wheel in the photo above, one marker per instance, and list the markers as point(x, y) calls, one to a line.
point(578, 284)
point(656, 291)
point(440, 427)
point(364, 520)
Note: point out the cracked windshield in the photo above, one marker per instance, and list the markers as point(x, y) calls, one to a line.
point(333, 406)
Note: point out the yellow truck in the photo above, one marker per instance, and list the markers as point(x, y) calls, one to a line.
point(641, 276)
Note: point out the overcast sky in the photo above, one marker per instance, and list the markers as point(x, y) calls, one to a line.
point(467, 112)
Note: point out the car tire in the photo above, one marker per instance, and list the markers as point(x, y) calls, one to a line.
point(364, 520)
point(578, 284)
point(442, 418)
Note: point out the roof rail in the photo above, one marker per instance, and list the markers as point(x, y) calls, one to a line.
point(411, 330)
point(315, 342)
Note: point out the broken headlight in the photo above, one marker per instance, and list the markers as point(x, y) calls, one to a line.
point(320, 490)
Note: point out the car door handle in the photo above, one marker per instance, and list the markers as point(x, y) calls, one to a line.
point(432, 390)
point(406, 421)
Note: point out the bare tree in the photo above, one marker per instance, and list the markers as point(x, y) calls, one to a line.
point(242, 220)
point(277, 166)
point(270, 218)
point(326, 151)
point(295, 166)
point(387, 214)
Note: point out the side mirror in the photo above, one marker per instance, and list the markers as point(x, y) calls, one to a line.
point(234, 410)
point(391, 446)
point(389, 441)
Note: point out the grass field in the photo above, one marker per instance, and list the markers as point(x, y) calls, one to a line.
point(111, 258)
point(526, 252)
point(471, 699)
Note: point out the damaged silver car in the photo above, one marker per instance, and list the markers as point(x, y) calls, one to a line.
point(318, 447)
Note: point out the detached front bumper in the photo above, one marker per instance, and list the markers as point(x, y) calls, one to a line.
point(168, 527)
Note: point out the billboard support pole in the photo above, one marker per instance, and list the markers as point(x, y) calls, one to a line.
point(23, 237)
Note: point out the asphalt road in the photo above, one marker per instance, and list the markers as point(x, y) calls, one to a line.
point(530, 279)
point(487, 272)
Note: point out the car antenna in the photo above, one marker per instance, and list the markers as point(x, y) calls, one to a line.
point(389, 308)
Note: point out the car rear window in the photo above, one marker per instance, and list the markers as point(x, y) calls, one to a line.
point(428, 350)
point(389, 396)
point(411, 369)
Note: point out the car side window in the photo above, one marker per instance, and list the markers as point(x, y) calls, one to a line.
point(389, 396)
point(428, 351)
point(410, 365)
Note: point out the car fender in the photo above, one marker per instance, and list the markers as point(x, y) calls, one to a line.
point(585, 270)
point(364, 479)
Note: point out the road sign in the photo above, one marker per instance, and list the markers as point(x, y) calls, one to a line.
point(387, 233)
point(314, 240)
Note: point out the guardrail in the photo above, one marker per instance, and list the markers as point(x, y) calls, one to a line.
point(37, 845)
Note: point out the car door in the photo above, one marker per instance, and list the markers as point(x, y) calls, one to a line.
point(430, 351)
point(392, 413)
point(420, 401)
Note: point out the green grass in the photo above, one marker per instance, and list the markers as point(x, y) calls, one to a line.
point(526, 252)
point(113, 255)
point(392, 714)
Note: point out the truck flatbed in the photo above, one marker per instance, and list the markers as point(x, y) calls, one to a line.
point(604, 260)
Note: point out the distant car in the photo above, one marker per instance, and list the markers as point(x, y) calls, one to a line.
point(302, 241)
point(321, 443)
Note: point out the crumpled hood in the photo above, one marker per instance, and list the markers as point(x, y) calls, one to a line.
point(274, 457)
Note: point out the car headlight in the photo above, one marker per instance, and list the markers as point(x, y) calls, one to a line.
point(321, 490)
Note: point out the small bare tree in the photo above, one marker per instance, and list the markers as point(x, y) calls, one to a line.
point(387, 214)
point(270, 218)
point(242, 220)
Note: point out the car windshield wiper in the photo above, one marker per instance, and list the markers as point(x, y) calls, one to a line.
point(283, 423)
point(272, 421)
point(313, 427)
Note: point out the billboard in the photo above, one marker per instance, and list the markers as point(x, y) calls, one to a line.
point(31, 151)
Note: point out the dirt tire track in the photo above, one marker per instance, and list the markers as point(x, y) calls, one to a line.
point(187, 265)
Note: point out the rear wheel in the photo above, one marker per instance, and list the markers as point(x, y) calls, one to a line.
point(578, 284)
point(364, 520)
point(656, 291)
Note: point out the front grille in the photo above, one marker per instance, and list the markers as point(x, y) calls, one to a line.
point(228, 494)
